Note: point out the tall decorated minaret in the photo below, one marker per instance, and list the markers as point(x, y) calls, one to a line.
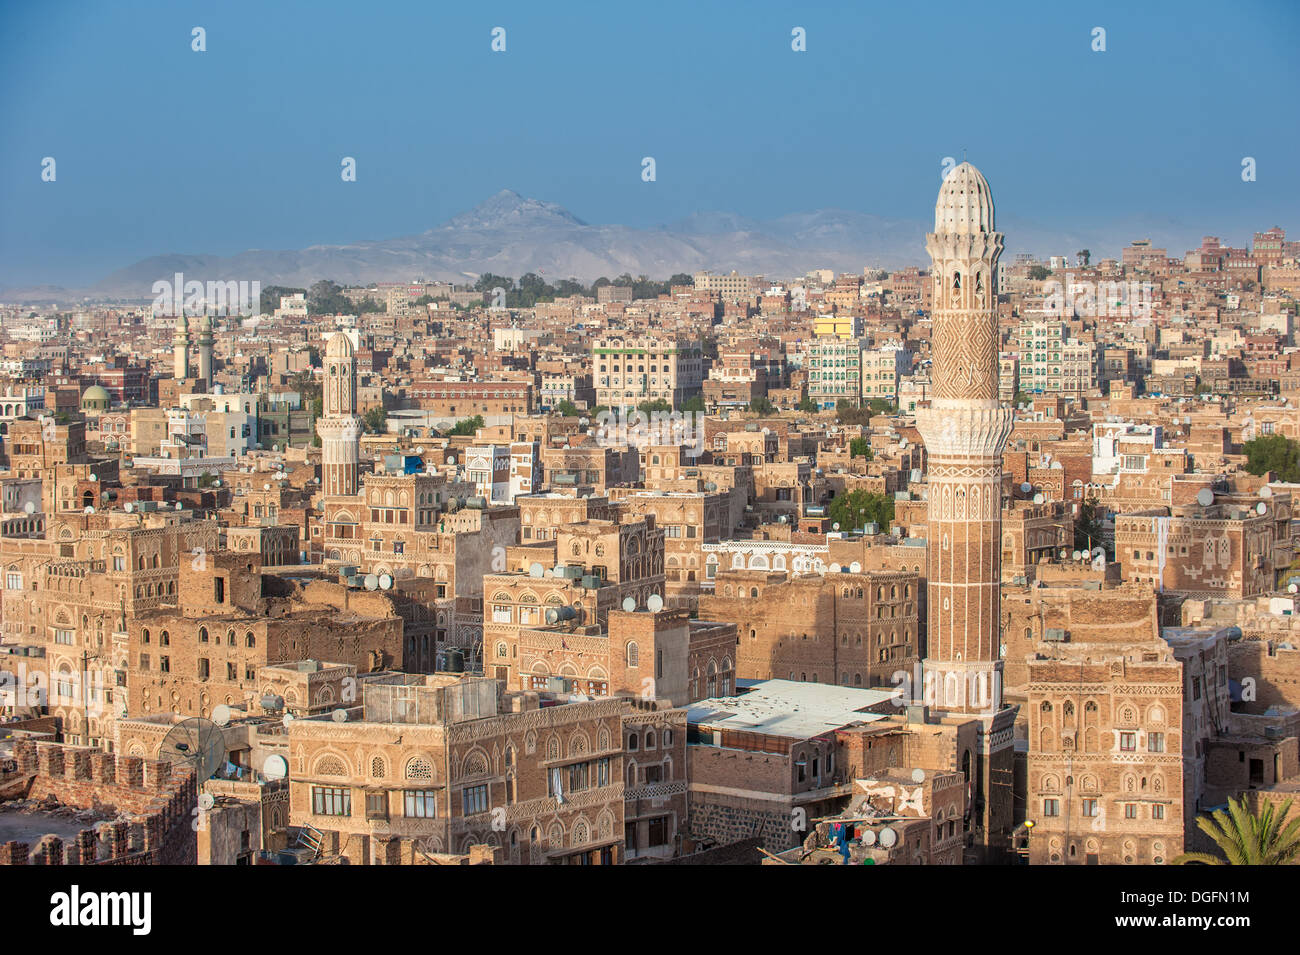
point(339, 427)
point(181, 348)
point(964, 429)
point(205, 350)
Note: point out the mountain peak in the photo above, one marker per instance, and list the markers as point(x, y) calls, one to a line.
point(509, 210)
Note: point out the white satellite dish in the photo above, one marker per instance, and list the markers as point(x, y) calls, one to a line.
point(835, 568)
point(552, 615)
point(93, 477)
point(536, 570)
point(339, 716)
point(1265, 491)
point(89, 509)
point(221, 714)
point(1292, 588)
point(629, 604)
point(451, 459)
point(855, 568)
point(1205, 497)
point(206, 801)
point(888, 837)
point(266, 487)
point(869, 838)
point(372, 582)
point(287, 719)
point(128, 507)
point(1261, 508)
point(1039, 498)
point(385, 581)
point(275, 767)
point(918, 775)
point(1026, 487)
point(1075, 555)
point(654, 603)
point(30, 508)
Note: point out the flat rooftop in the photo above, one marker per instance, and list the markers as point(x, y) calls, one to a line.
point(790, 708)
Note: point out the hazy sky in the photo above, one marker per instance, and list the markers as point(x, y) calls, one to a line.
point(162, 149)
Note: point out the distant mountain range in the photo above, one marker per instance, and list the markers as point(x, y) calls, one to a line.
point(512, 235)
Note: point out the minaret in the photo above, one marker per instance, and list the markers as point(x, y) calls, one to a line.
point(338, 427)
point(181, 348)
point(964, 429)
point(205, 350)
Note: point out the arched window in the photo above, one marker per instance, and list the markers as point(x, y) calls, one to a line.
point(633, 655)
point(417, 767)
point(250, 641)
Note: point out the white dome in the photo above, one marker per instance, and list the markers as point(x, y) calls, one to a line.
point(339, 346)
point(965, 205)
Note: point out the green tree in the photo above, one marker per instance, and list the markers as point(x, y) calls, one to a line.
point(567, 408)
point(1087, 526)
point(375, 419)
point(656, 404)
point(861, 448)
point(1273, 452)
point(761, 405)
point(207, 479)
point(695, 403)
point(882, 406)
point(1246, 838)
point(467, 426)
point(807, 405)
point(1039, 272)
point(861, 507)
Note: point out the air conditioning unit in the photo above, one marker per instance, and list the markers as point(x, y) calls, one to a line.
point(1054, 635)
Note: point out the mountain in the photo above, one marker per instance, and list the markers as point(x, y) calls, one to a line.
point(509, 234)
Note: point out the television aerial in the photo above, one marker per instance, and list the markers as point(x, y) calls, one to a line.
point(195, 744)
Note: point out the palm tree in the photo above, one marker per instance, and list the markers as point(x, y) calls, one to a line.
point(1247, 839)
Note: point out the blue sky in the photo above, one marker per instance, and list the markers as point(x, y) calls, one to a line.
point(162, 149)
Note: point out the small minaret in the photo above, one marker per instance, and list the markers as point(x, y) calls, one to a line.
point(205, 350)
point(181, 348)
point(339, 427)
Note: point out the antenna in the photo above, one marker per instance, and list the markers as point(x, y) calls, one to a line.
point(196, 744)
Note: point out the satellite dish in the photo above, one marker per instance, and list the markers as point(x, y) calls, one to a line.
point(902, 443)
point(869, 837)
point(855, 568)
point(552, 615)
point(195, 744)
point(1205, 497)
point(287, 719)
point(629, 604)
point(266, 487)
point(1292, 588)
point(1039, 498)
point(1265, 491)
point(835, 568)
point(918, 775)
point(128, 507)
point(654, 603)
point(89, 509)
point(372, 582)
point(1075, 554)
point(275, 767)
point(1261, 508)
point(221, 714)
point(1064, 553)
point(536, 570)
point(93, 478)
point(385, 581)
point(888, 837)
point(339, 716)
point(206, 801)
point(451, 459)
point(30, 508)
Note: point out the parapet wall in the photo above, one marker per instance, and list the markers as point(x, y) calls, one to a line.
point(157, 799)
